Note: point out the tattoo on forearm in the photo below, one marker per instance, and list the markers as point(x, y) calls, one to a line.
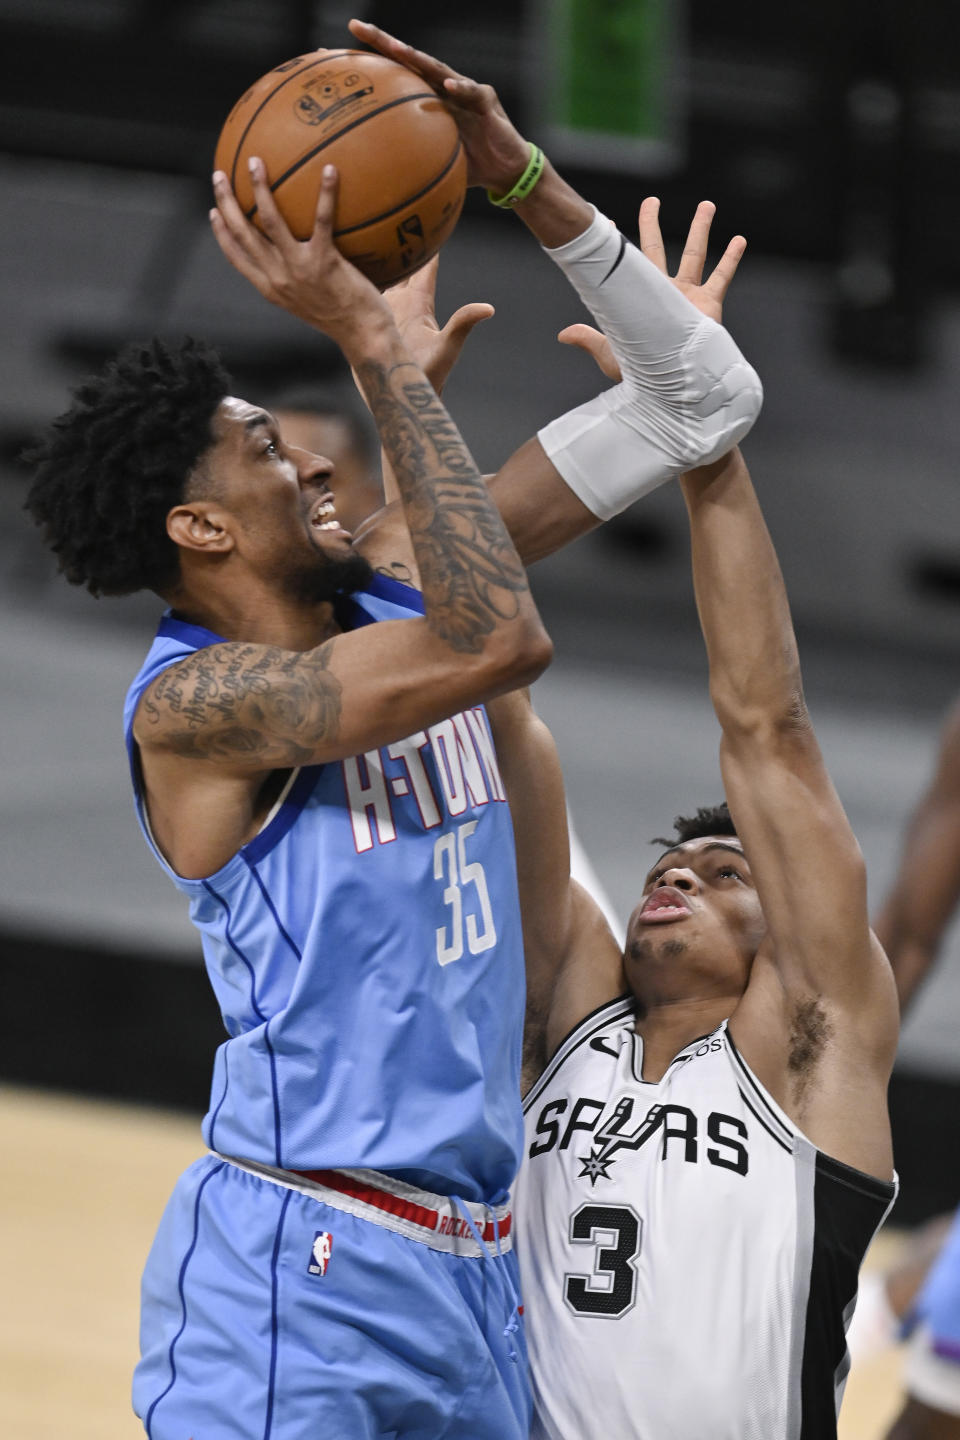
point(231, 701)
point(469, 571)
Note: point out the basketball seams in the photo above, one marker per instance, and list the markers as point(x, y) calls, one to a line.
point(294, 75)
point(410, 199)
point(381, 230)
point(360, 120)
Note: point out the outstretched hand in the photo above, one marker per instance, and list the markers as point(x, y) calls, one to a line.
point(496, 152)
point(707, 296)
point(309, 278)
point(435, 348)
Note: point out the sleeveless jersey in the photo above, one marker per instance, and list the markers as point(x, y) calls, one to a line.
point(689, 1260)
point(365, 949)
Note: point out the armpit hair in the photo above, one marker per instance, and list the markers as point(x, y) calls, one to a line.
point(809, 1032)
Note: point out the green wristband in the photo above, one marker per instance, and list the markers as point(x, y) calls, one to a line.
point(524, 185)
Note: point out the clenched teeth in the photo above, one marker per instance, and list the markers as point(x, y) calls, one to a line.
point(322, 516)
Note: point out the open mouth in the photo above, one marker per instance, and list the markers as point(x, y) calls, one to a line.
point(323, 515)
point(664, 904)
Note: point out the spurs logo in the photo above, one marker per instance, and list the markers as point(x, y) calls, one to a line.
point(617, 1133)
point(675, 1130)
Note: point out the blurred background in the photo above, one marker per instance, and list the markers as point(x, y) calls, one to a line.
point(829, 134)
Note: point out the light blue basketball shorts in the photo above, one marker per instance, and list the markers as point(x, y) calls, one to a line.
point(931, 1371)
point(344, 1310)
point(938, 1303)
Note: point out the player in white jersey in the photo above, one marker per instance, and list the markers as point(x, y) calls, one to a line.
point(307, 1271)
point(707, 1148)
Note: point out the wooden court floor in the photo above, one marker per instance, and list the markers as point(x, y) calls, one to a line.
point(81, 1191)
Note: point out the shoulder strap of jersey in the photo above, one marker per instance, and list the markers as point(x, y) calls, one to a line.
point(613, 1012)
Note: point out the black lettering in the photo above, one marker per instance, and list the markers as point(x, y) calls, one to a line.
point(548, 1127)
point(575, 1123)
point(740, 1161)
point(687, 1132)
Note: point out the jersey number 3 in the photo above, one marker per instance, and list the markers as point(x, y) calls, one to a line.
point(450, 863)
point(617, 1233)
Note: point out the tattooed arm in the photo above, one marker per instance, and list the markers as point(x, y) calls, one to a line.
point(245, 710)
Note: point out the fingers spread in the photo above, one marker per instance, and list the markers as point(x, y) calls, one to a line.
point(433, 71)
point(651, 241)
point(237, 254)
point(464, 319)
point(693, 259)
point(460, 324)
point(244, 237)
point(326, 201)
point(719, 281)
point(271, 221)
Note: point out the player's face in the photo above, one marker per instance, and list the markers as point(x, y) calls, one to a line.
point(356, 492)
point(698, 925)
point(281, 501)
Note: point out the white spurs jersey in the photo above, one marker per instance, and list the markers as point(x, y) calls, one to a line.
point(689, 1260)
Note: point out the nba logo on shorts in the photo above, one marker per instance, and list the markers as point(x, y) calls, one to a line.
point(322, 1250)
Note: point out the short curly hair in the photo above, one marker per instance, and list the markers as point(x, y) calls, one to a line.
point(112, 466)
point(709, 820)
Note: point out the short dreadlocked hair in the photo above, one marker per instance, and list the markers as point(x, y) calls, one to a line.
point(112, 466)
point(709, 820)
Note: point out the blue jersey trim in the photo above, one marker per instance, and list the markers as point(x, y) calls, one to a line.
point(274, 1326)
point(226, 1086)
point(352, 615)
point(289, 811)
point(272, 908)
point(236, 949)
point(276, 1096)
point(181, 1279)
point(196, 635)
point(395, 591)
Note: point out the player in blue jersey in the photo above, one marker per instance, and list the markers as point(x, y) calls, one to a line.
point(912, 922)
point(313, 767)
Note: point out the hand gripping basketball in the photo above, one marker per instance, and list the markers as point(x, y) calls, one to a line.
point(309, 278)
point(496, 151)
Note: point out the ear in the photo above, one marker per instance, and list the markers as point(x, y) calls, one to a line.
point(200, 525)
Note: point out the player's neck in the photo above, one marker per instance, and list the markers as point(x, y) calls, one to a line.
point(258, 617)
point(667, 1027)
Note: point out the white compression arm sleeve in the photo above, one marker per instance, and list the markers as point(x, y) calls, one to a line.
point(687, 395)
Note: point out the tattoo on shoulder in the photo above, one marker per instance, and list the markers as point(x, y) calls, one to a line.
point(396, 570)
point(469, 572)
point(234, 701)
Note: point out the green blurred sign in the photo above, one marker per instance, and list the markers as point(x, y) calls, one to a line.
point(609, 86)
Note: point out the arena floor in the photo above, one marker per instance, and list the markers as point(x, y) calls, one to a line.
point(81, 1191)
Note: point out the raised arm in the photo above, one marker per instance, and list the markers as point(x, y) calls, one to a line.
point(686, 395)
point(245, 708)
point(670, 381)
point(818, 1020)
point(573, 962)
point(926, 890)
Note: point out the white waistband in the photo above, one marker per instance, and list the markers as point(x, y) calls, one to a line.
point(434, 1220)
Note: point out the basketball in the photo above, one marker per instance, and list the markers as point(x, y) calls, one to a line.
point(393, 141)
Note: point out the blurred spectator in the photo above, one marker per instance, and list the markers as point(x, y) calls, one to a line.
point(333, 422)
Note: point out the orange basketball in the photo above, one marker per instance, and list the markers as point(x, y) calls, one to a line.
point(395, 144)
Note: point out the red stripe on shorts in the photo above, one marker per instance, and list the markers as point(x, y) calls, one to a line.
point(394, 1204)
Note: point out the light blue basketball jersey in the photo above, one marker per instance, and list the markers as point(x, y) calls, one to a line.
point(365, 949)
